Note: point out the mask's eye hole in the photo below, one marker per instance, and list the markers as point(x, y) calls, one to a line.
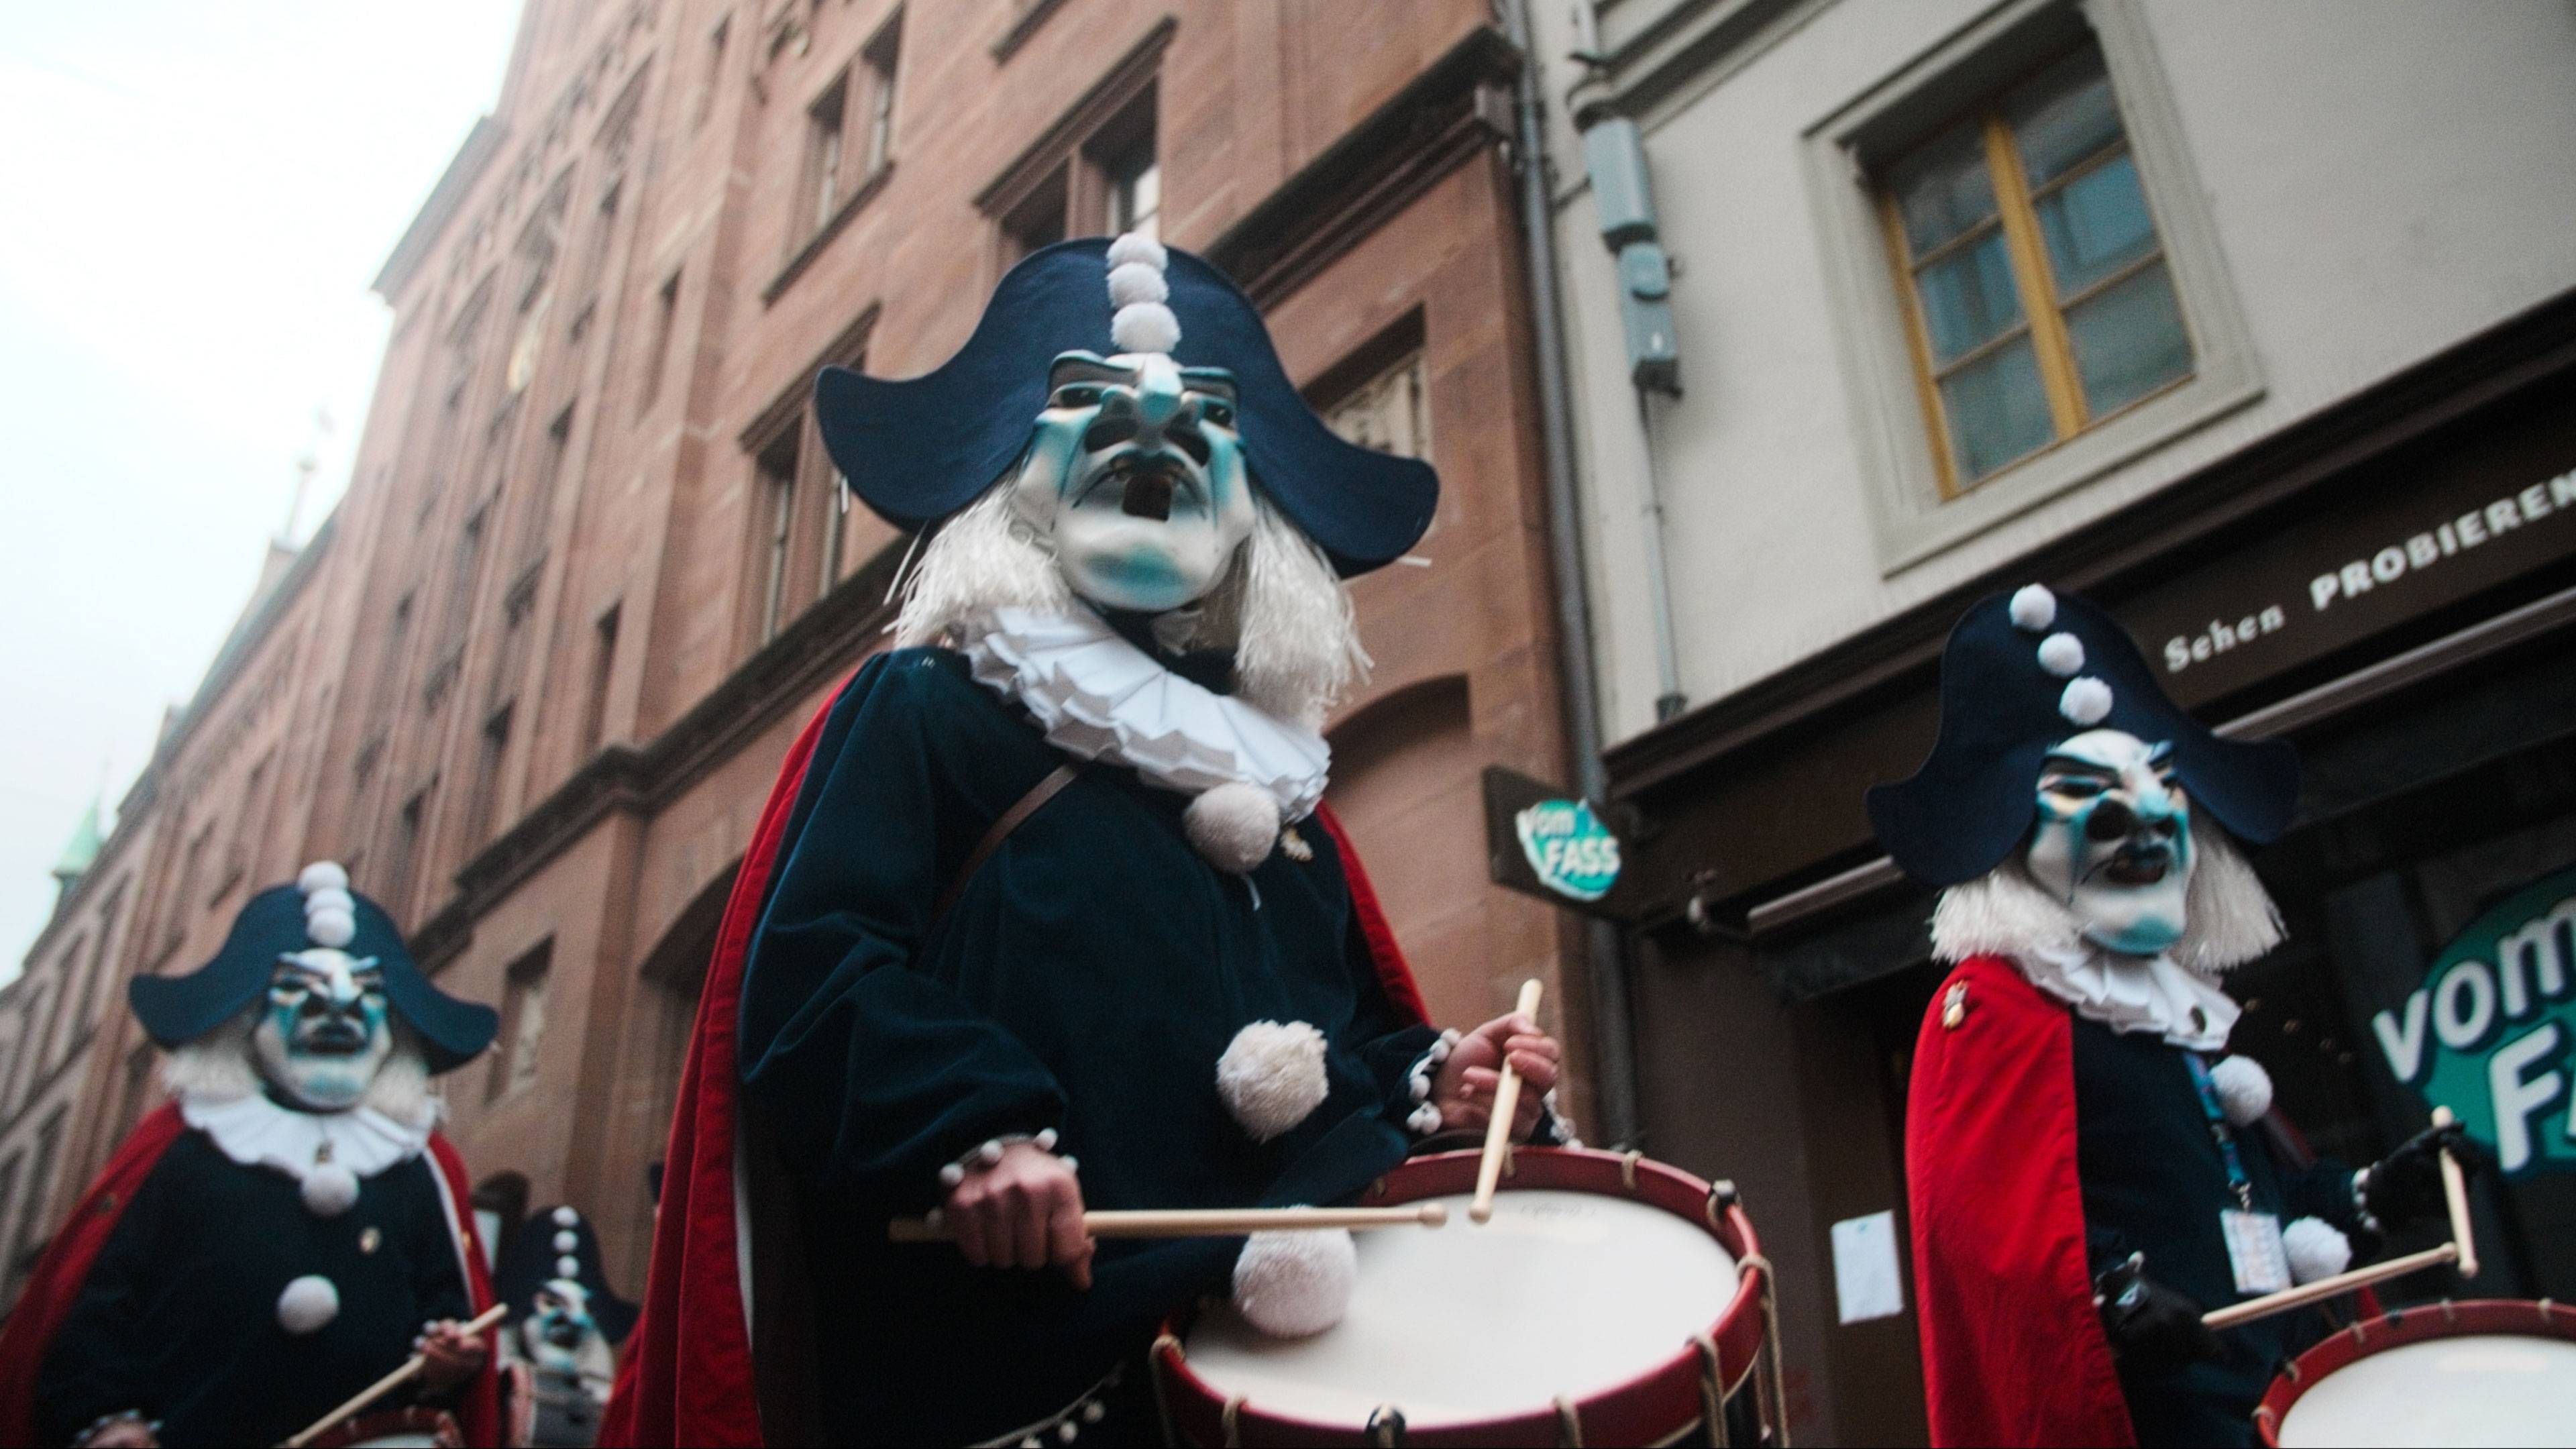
point(2080, 786)
point(1192, 442)
point(1218, 414)
point(1077, 395)
point(1107, 433)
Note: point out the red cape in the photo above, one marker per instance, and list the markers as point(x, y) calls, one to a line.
point(687, 1374)
point(58, 1276)
point(2013, 1352)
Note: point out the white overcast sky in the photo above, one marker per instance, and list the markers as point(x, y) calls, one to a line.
point(193, 199)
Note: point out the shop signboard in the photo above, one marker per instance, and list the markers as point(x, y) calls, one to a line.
point(1552, 844)
point(2489, 1033)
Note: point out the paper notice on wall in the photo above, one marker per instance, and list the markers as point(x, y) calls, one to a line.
point(1866, 1281)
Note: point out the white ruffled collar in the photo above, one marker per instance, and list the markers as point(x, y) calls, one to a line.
point(2153, 994)
point(256, 1132)
point(1099, 697)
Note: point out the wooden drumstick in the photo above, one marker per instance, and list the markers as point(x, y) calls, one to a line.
point(2455, 1192)
point(390, 1382)
point(1498, 1132)
point(1203, 1222)
point(2324, 1288)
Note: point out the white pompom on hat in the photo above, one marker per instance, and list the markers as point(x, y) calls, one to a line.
point(307, 1304)
point(322, 875)
point(1133, 282)
point(1142, 323)
point(1272, 1077)
point(1138, 248)
point(2033, 607)
point(2244, 1089)
point(2087, 701)
point(1296, 1284)
point(2316, 1249)
point(329, 1190)
point(565, 1217)
point(2061, 654)
point(1145, 327)
point(1234, 826)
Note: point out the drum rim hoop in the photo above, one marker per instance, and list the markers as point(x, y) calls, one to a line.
point(1625, 1175)
point(2422, 1323)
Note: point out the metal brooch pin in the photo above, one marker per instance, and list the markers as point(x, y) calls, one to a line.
point(1295, 846)
point(1954, 1007)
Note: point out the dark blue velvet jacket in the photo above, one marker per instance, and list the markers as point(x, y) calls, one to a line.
point(2155, 1183)
point(1087, 979)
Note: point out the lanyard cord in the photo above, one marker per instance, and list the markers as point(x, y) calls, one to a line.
point(2237, 1182)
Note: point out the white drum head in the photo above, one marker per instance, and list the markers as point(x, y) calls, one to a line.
point(2475, 1389)
point(1563, 1293)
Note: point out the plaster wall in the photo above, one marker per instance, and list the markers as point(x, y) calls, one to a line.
point(2383, 179)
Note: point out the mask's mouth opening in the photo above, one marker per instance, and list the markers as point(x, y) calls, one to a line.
point(1148, 495)
point(562, 1332)
point(2138, 864)
point(1148, 484)
point(334, 1037)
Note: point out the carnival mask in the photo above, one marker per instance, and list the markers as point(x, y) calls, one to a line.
point(1136, 477)
point(2113, 842)
point(325, 1030)
point(555, 1333)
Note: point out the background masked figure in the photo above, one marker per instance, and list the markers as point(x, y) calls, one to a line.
point(2088, 1170)
point(559, 1350)
point(1052, 882)
point(291, 1226)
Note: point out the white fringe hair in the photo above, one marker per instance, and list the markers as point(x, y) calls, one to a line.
point(2230, 918)
point(1282, 608)
point(218, 1066)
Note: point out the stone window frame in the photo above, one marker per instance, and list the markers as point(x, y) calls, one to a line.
point(1901, 478)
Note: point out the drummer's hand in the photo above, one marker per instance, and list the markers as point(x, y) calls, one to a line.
point(124, 1431)
point(449, 1355)
point(1024, 1211)
point(2406, 1185)
point(2151, 1327)
point(1464, 1090)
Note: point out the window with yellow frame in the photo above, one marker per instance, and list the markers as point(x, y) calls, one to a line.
point(2036, 291)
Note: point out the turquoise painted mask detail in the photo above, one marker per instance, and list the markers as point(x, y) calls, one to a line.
point(2113, 840)
point(325, 1030)
point(1135, 475)
point(561, 1324)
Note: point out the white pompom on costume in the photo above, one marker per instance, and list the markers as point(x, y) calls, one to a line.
point(1234, 826)
point(1139, 248)
point(307, 1304)
point(565, 1217)
point(330, 1190)
point(2061, 654)
point(331, 928)
point(1271, 1076)
point(322, 875)
point(2087, 701)
point(2316, 1249)
point(1296, 1284)
point(2244, 1089)
point(1132, 282)
point(2033, 607)
point(1145, 327)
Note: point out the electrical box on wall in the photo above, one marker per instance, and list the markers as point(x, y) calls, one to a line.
point(1623, 197)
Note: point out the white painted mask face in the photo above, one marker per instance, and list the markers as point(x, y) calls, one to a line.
point(2113, 840)
point(1137, 478)
point(555, 1332)
point(326, 1029)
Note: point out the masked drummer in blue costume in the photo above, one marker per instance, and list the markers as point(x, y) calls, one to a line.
point(1056, 924)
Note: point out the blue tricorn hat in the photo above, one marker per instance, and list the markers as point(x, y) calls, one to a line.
point(553, 1243)
point(918, 450)
point(2022, 672)
point(318, 910)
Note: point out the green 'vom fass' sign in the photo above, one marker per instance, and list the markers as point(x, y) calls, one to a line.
point(1573, 853)
point(2489, 1033)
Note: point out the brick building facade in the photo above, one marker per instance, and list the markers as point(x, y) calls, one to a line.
point(592, 571)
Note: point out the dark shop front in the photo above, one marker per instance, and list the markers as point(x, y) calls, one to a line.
point(2391, 585)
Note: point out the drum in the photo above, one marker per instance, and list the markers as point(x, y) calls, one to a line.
point(394, 1429)
point(2493, 1371)
point(1611, 1300)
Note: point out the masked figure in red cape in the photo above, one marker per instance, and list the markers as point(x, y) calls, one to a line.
point(1046, 914)
point(291, 1227)
point(2088, 1171)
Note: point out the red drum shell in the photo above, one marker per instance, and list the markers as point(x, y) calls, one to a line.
point(2512, 1316)
point(437, 1425)
point(1661, 1401)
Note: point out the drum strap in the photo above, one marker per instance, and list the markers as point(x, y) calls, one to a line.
point(1011, 819)
point(2237, 1182)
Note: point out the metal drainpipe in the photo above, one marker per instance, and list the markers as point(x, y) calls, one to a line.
point(1614, 1041)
